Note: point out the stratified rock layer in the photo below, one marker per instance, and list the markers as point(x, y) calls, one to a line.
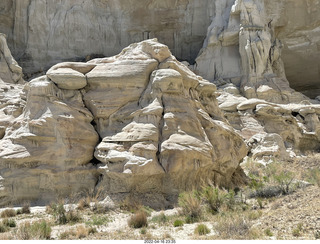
point(159, 125)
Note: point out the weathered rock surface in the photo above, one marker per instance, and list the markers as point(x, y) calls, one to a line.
point(73, 29)
point(45, 32)
point(160, 127)
point(272, 130)
point(244, 46)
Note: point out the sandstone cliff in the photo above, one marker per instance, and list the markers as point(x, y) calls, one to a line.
point(159, 125)
point(44, 32)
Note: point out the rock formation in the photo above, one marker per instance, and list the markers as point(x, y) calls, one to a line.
point(159, 125)
point(42, 33)
point(242, 55)
point(45, 32)
point(141, 122)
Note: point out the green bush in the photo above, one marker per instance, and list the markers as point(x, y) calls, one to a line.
point(202, 229)
point(297, 231)
point(178, 223)
point(96, 220)
point(268, 232)
point(214, 198)
point(138, 220)
point(58, 211)
point(9, 222)
point(3, 228)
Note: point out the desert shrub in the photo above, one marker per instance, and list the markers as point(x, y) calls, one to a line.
point(3, 228)
point(26, 208)
point(98, 220)
point(131, 204)
point(138, 220)
point(233, 226)
point(268, 232)
point(253, 215)
point(40, 230)
point(190, 204)
point(84, 203)
point(58, 211)
point(9, 222)
point(143, 231)
point(161, 218)
point(178, 223)
point(67, 235)
point(202, 229)
point(297, 231)
point(82, 232)
point(8, 213)
point(73, 216)
point(313, 176)
point(284, 180)
point(214, 198)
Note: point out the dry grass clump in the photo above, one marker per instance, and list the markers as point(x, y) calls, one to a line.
point(82, 232)
point(78, 233)
point(60, 214)
point(131, 204)
point(191, 207)
point(25, 209)
point(67, 235)
point(233, 226)
point(201, 229)
point(39, 230)
point(138, 220)
point(84, 203)
point(8, 213)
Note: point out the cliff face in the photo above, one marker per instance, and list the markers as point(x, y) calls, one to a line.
point(250, 42)
point(44, 32)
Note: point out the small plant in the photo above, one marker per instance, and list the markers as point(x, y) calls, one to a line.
point(73, 216)
point(260, 202)
point(191, 206)
point(25, 209)
point(214, 198)
point(178, 223)
point(67, 235)
point(143, 231)
point(3, 228)
point(313, 176)
point(253, 215)
point(9, 222)
point(84, 203)
point(284, 180)
point(58, 211)
point(131, 204)
point(98, 220)
point(297, 231)
point(268, 232)
point(233, 226)
point(82, 232)
point(138, 220)
point(40, 230)
point(161, 218)
point(8, 213)
point(201, 229)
